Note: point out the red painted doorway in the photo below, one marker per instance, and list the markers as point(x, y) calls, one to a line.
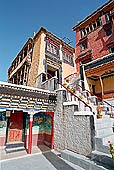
point(15, 129)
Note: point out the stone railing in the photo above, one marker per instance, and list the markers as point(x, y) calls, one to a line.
point(50, 84)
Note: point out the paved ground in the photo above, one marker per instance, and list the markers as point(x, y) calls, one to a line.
point(45, 161)
point(35, 149)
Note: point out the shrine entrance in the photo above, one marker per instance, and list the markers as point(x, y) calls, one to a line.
point(15, 130)
point(42, 129)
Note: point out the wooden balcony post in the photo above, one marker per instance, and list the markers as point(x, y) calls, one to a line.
point(101, 82)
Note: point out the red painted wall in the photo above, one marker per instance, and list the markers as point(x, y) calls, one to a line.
point(97, 42)
point(2, 141)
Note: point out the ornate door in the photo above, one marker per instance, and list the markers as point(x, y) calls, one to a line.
point(16, 127)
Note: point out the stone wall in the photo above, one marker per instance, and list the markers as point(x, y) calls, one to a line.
point(75, 133)
point(59, 140)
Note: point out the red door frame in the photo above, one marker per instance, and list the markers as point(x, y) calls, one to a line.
point(30, 133)
point(13, 118)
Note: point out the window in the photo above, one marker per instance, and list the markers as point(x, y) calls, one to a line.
point(52, 49)
point(91, 28)
point(99, 23)
point(107, 17)
point(108, 29)
point(81, 33)
point(84, 32)
point(87, 29)
point(84, 45)
point(94, 25)
point(111, 50)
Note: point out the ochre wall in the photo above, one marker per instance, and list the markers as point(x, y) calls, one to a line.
point(67, 70)
point(42, 54)
point(35, 62)
point(108, 84)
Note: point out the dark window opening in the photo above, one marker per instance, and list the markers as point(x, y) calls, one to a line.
point(84, 45)
point(84, 32)
point(107, 17)
point(111, 50)
point(50, 74)
point(82, 76)
point(108, 29)
point(94, 25)
point(87, 29)
point(98, 22)
point(43, 77)
point(93, 89)
point(81, 33)
point(91, 29)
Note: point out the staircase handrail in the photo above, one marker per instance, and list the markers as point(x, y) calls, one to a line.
point(72, 93)
point(95, 96)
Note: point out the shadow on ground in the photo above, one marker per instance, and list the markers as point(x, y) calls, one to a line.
point(57, 162)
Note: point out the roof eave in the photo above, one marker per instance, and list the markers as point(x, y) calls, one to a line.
point(93, 13)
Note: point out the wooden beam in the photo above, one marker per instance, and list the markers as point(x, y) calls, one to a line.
point(100, 70)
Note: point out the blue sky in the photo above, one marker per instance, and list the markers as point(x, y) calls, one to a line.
point(20, 18)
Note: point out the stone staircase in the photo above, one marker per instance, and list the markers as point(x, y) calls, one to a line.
point(104, 133)
point(14, 147)
point(104, 127)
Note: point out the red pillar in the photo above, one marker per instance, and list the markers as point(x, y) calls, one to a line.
point(30, 135)
point(52, 138)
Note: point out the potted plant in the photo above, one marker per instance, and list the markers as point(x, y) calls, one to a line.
point(73, 90)
point(68, 87)
point(64, 84)
point(99, 112)
point(88, 102)
point(67, 80)
point(81, 97)
point(111, 149)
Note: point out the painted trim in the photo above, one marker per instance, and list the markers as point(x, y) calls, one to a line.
point(83, 113)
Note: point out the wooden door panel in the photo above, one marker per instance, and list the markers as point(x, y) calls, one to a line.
point(15, 135)
point(16, 127)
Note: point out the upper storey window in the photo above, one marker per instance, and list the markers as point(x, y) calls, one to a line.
point(84, 45)
point(52, 46)
point(91, 27)
point(52, 49)
point(67, 56)
point(107, 17)
point(107, 25)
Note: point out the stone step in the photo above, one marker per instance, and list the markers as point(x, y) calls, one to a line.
point(16, 149)
point(104, 158)
point(14, 144)
point(104, 131)
point(104, 119)
point(104, 140)
point(100, 147)
point(83, 161)
point(105, 124)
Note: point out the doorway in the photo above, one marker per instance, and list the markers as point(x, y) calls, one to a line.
point(15, 130)
point(43, 133)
